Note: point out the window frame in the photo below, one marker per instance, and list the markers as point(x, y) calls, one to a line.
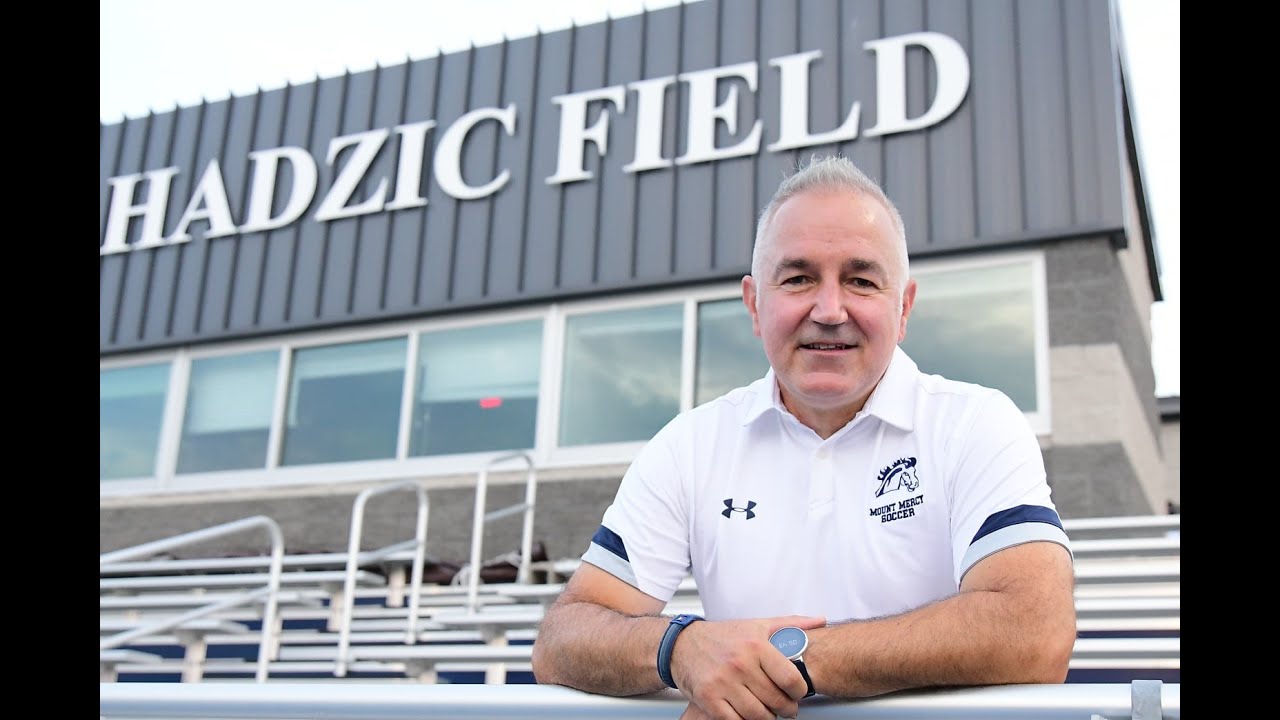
point(453, 469)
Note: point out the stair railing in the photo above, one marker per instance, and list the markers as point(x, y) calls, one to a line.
point(479, 519)
point(267, 646)
point(355, 558)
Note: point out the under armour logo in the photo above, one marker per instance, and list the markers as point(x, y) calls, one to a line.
point(729, 509)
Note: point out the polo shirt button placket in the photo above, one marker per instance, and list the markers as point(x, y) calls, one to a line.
point(821, 483)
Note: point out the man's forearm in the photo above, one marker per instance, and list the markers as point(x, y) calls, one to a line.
point(588, 647)
point(1019, 628)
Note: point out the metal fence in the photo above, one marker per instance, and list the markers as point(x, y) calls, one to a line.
point(1139, 700)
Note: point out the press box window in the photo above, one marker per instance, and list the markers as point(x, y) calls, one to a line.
point(476, 389)
point(729, 353)
point(621, 379)
point(978, 325)
point(130, 410)
point(228, 417)
point(344, 402)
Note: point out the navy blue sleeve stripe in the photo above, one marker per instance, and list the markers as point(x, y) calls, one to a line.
point(1015, 516)
point(609, 540)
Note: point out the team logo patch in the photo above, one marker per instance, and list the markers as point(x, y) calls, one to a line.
point(901, 474)
point(730, 508)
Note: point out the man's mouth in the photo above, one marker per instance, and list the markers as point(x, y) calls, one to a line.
point(826, 346)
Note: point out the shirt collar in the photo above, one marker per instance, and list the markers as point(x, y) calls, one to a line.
point(893, 400)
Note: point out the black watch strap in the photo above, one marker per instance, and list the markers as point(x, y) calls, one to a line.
point(805, 672)
point(668, 644)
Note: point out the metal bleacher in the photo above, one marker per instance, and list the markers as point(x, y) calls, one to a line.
point(367, 616)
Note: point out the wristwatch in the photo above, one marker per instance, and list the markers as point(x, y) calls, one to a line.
point(668, 644)
point(792, 642)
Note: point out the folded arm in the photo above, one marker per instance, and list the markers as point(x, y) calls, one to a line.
point(601, 635)
point(1012, 622)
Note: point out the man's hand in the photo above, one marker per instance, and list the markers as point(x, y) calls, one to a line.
point(730, 670)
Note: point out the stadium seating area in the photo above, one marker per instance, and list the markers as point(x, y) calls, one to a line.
point(367, 615)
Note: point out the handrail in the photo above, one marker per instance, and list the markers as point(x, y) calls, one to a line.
point(1139, 700)
point(1122, 523)
point(419, 543)
point(266, 646)
point(480, 518)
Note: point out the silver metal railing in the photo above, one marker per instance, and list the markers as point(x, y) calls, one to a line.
point(480, 518)
point(354, 556)
point(1139, 700)
point(266, 646)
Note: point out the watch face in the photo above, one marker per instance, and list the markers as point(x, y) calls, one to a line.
point(790, 641)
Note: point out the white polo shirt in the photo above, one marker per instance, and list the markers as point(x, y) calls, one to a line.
point(884, 516)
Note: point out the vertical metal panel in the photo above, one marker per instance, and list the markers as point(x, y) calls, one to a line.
point(313, 239)
point(110, 141)
point(131, 313)
point(124, 159)
point(615, 237)
point(404, 257)
point(655, 189)
point(695, 199)
point(369, 276)
point(223, 252)
point(342, 251)
point(735, 198)
point(777, 38)
point(185, 322)
point(1042, 104)
point(1078, 66)
point(506, 237)
point(274, 308)
point(251, 258)
point(861, 22)
point(820, 30)
point(1106, 109)
point(164, 271)
point(906, 168)
point(950, 162)
point(440, 223)
point(479, 166)
point(579, 202)
point(997, 140)
point(542, 239)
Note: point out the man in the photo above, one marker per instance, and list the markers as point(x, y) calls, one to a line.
point(903, 520)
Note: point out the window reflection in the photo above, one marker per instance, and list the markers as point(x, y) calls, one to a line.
point(621, 374)
point(130, 410)
point(729, 353)
point(344, 402)
point(228, 416)
point(477, 389)
point(978, 325)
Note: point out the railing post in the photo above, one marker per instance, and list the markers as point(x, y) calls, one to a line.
point(266, 646)
point(353, 558)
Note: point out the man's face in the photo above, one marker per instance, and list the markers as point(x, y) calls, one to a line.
point(832, 301)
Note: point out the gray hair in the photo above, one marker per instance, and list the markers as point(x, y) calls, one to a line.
point(826, 173)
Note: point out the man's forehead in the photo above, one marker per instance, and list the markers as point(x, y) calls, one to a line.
point(852, 263)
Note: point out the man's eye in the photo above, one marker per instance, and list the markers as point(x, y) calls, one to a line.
point(795, 280)
point(863, 282)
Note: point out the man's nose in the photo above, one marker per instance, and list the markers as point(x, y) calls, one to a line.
point(828, 306)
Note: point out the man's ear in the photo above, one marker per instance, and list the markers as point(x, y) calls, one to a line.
point(908, 302)
point(749, 299)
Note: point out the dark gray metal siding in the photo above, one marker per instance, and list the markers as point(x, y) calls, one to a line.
point(1032, 152)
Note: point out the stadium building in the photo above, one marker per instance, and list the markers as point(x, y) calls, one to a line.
point(537, 246)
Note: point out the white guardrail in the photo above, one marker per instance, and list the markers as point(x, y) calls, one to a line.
point(1139, 700)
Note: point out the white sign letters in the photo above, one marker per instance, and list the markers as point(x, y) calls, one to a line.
point(645, 98)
